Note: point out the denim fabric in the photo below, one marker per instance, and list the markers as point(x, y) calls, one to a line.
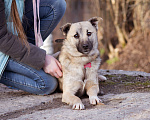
point(3, 62)
point(18, 75)
point(23, 77)
point(51, 12)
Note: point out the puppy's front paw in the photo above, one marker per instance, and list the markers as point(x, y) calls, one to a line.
point(78, 106)
point(95, 100)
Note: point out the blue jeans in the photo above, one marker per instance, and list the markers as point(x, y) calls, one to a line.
point(51, 12)
point(20, 76)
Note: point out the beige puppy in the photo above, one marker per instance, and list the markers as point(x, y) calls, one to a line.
point(80, 62)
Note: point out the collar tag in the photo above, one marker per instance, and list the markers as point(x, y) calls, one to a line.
point(87, 65)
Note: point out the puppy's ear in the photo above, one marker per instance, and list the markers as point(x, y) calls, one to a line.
point(65, 28)
point(94, 21)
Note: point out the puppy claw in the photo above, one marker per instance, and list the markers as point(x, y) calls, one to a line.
point(78, 106)
point(94, 100)
point(101, 104)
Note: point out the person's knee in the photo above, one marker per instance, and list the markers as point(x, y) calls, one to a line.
point(60, 7)
point(52, 12)
point(50, 86)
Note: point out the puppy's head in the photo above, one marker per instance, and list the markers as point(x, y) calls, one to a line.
point(82, 35)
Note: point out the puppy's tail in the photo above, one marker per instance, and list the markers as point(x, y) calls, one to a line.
point(102, 78)
point(59, 40)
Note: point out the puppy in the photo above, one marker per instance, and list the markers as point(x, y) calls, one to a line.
point(80, 62)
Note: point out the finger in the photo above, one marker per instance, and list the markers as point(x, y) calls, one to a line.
point(59, 73)
point(59, 65)
point(56, 75)
point(52, 74)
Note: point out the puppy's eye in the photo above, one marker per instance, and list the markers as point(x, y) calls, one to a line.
point(89, 33)
point(76, 36)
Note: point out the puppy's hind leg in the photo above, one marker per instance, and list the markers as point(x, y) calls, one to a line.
point(102, 78)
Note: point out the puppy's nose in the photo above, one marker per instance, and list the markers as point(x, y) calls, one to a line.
point(85, 46)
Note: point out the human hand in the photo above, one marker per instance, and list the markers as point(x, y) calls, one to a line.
point(52, 66)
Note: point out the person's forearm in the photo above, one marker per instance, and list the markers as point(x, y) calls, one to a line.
point(12, 46)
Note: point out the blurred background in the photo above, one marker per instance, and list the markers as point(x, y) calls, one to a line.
point(123, 35)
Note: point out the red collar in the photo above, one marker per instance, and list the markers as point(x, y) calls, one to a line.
point(87, 65)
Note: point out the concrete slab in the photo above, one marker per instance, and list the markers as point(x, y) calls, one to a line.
point(129, 106)
point(125, 103)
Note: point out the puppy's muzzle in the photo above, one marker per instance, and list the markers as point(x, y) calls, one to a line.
point(85, 48)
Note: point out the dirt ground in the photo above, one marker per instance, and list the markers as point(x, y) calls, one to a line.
point(19, 105)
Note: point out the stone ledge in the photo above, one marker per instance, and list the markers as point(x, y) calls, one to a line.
point(122, 72)
point(123, 92)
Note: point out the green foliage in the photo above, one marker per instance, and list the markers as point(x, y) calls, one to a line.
point(102, 51)
point(113, 60)
point(146, 83)
point(136, 65)
point(109, 82)
point(123, 45)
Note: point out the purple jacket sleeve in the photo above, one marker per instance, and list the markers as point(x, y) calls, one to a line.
point(12, 46)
